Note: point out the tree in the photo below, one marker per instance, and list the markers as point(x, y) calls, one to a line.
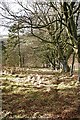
point(14, 41)
point(67, 17)
point(3, 46)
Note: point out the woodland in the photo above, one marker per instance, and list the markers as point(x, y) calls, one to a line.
point(40, 60)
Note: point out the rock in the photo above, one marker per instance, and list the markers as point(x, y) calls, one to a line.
point(40, 86)
point(17, 76)
point(47, 115)
point(48, 89)
point(61, 85)
point(36, 115)
point(77, 84)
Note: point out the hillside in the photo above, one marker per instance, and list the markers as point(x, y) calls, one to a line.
point(40, 94)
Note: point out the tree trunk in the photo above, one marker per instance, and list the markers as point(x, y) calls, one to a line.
point(73, 59)
point(68, 68)
point(19, 49)
point(53, 64)
point(23, 60)
point(79, 60)
point(65, 66)
point(20, 61)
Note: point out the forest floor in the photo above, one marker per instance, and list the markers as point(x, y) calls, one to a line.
point(40, 94)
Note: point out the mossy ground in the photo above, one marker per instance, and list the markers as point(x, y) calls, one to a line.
point(23, 99)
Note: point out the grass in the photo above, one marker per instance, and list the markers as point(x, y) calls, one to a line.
point(25, 100)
